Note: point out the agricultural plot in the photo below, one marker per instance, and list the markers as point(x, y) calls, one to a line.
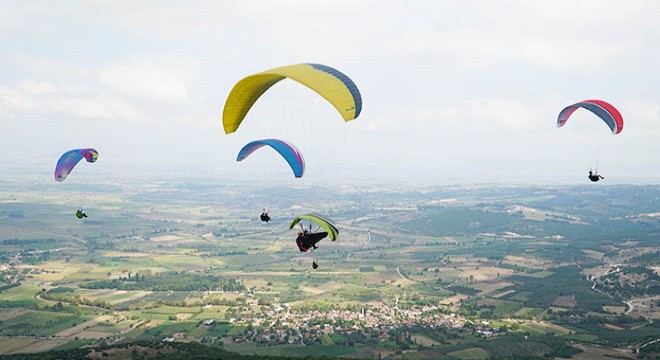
point(424, 340)
point(159, 297)
point(19, 297)
point(524, 348)
point(546, 328)
point(22, 346)
point(292, 350)
point(84, 326)
point(566, 285)
point(506, 308)
point(612, 338)
point(470, 354)
point(527, 262)
point(85, 273)
point(615, 309)
point(39, 323)
point(566, 301)
point(9, 313)
point(182, 262)
point(218, 329)
point(169, 329)
point(596, 353)
point(528, 312)
point(487, 288)
point(164, 312)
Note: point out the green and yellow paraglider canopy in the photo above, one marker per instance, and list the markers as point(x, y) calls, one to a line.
point(328, 82)
point(325, 224)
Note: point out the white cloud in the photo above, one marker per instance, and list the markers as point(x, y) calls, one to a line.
point(571, 55)
point(13, 100)
point(140, 88)
point(466, 115)
point(641, 116)
point(150, 78)
point(508, 112)
point(34, 87)
point(41, 98)
point(49, 67)
point(590, 37)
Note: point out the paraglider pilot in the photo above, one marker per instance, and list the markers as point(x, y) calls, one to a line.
point(594, 176)
point(264, 216)
point(80, 214)
point(307, 239)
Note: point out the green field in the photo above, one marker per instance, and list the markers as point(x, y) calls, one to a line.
point(469, 354)
point(39, 323)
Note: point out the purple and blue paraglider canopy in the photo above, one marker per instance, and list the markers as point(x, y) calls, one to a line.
point(70, 159)
point(288, 151)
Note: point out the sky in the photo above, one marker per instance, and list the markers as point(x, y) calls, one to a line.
point(453, 92)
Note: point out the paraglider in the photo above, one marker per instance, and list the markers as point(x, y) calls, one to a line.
point(307, 239)
point(70, 159)
point(594, 176)
point(330, 229)
point(289, 152)
point(264, 216)
point(604, 110)
point(328, 82)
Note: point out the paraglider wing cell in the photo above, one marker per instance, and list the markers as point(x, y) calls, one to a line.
point(604, 110)
point(328, 82)
point(288, 151)
point(70, 159)
point(324, 223)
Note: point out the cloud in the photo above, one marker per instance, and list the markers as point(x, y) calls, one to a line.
point(41, 98)
point(34, 87)
point(139, 88)
point(13, 100)
point(554, 35)
point(157, 78)
point(49, 67)
point(466, 115)
point(510, 113)
point(641, 116)
point(486, 35)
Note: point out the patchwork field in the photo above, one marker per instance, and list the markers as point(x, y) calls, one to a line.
point(466, 278)
point(21, 346)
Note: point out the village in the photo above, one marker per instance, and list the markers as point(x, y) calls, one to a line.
point(371, 324)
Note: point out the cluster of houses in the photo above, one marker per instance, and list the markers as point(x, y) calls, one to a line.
point(281, 324)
